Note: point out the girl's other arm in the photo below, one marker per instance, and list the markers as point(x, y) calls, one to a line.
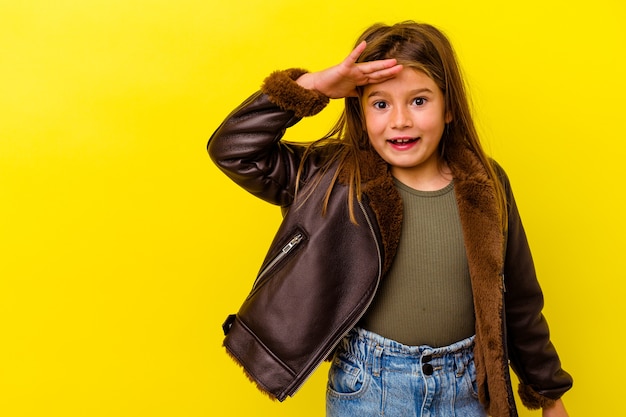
point(533, 356)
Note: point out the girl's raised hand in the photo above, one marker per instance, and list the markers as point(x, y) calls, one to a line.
point(341, 80)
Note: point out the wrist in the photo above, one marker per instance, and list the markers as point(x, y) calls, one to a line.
point(306, 80)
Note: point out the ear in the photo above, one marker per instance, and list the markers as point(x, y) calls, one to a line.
point(448, 117)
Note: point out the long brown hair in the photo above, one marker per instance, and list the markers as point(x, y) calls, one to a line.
point(425, 48)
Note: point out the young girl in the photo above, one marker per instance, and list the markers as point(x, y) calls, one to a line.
point(401, 255)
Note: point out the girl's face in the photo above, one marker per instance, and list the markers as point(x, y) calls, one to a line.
point(405, 118)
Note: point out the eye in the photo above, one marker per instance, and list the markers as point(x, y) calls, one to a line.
point(419, 101)
point(380, 105)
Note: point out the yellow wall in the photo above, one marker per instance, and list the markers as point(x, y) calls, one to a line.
point(122, 248)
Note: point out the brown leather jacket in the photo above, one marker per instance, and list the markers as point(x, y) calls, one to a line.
point(322, 271)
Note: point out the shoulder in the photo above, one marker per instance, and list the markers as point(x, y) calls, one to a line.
point(498, 168)
point(501, 174)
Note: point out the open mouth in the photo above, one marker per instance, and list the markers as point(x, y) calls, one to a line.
point(403, 141)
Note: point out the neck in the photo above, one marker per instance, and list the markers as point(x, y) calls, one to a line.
point(425, 180)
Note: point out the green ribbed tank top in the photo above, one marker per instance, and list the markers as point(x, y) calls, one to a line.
point(426, 297)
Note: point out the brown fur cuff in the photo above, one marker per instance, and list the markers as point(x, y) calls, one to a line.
point(283, 91)
point(531, 399)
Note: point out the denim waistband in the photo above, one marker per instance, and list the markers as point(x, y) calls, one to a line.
point(391, 347)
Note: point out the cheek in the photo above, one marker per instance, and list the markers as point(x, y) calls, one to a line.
point(435, 123)
point(373, 124)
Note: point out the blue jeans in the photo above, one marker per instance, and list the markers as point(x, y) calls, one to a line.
point(374, 376)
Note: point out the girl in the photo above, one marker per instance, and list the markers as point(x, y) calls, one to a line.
point(401, 255)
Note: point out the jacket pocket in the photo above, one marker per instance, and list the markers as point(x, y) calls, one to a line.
point(273, 263)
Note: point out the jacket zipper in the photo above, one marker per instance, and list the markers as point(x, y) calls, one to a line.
point(507, 363)
point(281, 255)
point(318, 361)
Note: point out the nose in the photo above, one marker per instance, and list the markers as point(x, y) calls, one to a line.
point(401, 118)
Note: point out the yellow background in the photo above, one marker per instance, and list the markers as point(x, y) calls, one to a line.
point(122, 248)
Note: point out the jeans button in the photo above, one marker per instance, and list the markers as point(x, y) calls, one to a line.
point(427, 369)
point(427, 358)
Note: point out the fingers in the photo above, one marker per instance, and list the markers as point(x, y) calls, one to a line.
point(371, 71)
point(356, 53)
point(380, 72)
point(373, 66)
point(369, 66)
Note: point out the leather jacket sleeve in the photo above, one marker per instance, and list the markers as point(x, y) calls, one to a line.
point(247, 146)
point(532, 355)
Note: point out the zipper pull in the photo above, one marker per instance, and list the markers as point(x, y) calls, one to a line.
point(293, 242)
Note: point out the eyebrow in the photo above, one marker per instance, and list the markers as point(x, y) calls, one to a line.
point(411, 92)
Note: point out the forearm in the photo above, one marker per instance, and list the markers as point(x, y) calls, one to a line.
point(247, 148)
